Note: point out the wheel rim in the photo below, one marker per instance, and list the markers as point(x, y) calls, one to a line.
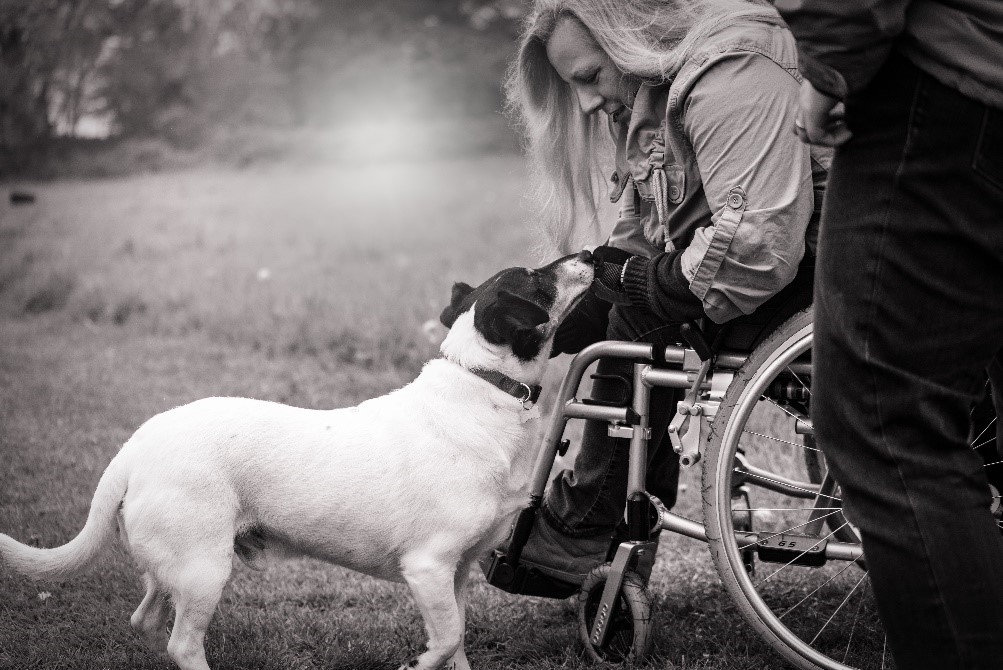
point(861, 626)
point(792, 600)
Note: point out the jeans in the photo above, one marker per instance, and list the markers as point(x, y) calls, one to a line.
point(590, 499)
point(908, 317)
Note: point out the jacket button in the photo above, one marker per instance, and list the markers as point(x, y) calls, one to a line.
point(673, 192)
point(735, 200)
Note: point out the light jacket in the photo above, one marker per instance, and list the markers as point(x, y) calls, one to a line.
point(845, 42)
point(720, 193)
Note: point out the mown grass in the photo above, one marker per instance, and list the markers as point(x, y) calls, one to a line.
point(122, 298)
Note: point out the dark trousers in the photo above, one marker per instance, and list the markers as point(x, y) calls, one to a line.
point(908, 317)
point(590, 499)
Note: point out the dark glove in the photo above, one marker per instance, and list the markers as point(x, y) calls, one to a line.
point(609, 270)
point(586, 325)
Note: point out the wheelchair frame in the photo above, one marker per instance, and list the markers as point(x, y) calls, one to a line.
point(706, 378)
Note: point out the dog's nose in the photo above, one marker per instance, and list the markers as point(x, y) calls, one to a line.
point(585, 256)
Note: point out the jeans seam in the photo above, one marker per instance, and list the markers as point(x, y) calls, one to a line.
point(603, 488)
point(910, 134)
point(991, 180)
point(600, 495)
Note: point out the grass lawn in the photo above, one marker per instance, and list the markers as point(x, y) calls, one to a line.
point(122, 298)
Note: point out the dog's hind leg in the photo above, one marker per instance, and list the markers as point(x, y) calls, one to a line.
point(150, 618)
point(459, 658)
point(196, 591)
point(432, 582)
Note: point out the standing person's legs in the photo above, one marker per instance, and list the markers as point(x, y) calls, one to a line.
point(908, 314)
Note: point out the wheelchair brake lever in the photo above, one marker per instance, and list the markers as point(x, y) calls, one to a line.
point(687, 425)
point(693, 335)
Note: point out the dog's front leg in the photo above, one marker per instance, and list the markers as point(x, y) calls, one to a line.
point(433, 583)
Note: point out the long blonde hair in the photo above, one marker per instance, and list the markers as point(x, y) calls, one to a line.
point(569, 151)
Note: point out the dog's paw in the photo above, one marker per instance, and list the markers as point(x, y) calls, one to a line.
point(451, 664)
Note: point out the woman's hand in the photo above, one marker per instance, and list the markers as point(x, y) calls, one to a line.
point(586, 325)
point(608, 282)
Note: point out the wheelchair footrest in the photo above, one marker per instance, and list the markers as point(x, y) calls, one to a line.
point(523, 579)
point(792, 549)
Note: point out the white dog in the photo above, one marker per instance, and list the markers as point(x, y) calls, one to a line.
point(411, 486)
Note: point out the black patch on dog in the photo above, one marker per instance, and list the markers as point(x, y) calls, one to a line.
point(460, 291)
point(510, 307)
point(512, 320)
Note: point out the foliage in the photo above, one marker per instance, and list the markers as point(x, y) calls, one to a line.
point(180, 70)
point(135, 67)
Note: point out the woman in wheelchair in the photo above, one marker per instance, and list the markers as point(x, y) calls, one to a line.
point(719, 203)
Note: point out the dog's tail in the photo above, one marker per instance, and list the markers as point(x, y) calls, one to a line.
point(63, 562)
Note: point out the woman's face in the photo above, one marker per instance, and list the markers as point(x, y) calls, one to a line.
point(583, 64)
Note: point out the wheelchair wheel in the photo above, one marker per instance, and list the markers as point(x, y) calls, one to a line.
point(814, 607)
point(628, 638)
point(816, 612)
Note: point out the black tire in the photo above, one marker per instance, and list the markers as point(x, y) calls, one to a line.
point(628, 638)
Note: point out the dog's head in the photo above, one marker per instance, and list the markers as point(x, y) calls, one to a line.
point(516, 312)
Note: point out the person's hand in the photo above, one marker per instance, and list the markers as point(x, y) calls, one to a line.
point(820, 118)
point(586, 325)
point(608, 283)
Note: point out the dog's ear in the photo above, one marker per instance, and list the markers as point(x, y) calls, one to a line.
point(460, 292)
point(520, 312)
point(518, 319)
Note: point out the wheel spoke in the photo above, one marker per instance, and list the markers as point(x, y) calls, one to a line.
point(845, 600)
point(982, 444)
point(788, 509)
point(815, 590)
point(791, 562)
point(777, 439)
point(979, 436)
point(853, 628)
point(781, 407)
point(799, 380)
point(784, 532)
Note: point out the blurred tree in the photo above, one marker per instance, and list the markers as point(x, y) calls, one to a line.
point(148, 66)
point(28, 40)
point(180, 69)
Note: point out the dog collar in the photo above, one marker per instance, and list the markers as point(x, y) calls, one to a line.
point(524, 393)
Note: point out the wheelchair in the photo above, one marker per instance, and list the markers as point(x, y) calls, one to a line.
point(772, 515)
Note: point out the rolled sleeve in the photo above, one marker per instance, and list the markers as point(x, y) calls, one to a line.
point(757, 178)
